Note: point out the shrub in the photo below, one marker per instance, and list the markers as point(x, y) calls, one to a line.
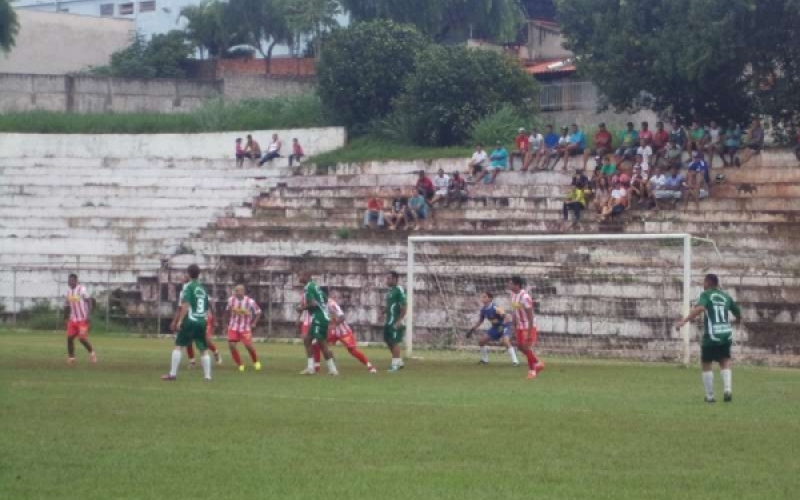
point(502, 125)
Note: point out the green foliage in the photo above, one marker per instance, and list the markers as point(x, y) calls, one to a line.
point(9, 26)
point(453, 87)
point(446, 20)
point(164, 56)
point(502, 125)
point(212, 27)
point(298, 111)
point(364, 68)
point(364, 149)
point(264, 24)
point(313, 18)
point(703, 58)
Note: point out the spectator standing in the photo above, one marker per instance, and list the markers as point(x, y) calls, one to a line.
point(297, 152)
point(441, 184)
point(252, 150)
point(732, 141)
point(397, 212)
point(273, 150)
point(660, 140)
point(425, 186)
point(755, 142)
point(629, 141)
point(535, 147)
point(574, 203)
point(646, 134)
point(523, 146)
point(714, 144)
point(477, 164)
point(458, 190)
point(239, 153)
point(603, 144)
point(417, 210)
point(499, 161)
point(550, 148)
point(576, 145)
point(374, 213)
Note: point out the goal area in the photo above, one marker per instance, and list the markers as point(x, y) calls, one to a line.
point(598, 295)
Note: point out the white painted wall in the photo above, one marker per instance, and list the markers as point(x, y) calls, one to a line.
point(215, 145)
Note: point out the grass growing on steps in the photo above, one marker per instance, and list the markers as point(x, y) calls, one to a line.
point(368, 149)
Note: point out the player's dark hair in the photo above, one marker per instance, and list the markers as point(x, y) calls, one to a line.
point(712, 279)
point(394, 275)
point(194, 271)
point(517, 280)
point(72, 275)
point(490, 295)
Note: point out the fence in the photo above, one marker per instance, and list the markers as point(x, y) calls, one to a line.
point(568, 95)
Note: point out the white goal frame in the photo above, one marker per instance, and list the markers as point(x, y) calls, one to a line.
point(549, 238)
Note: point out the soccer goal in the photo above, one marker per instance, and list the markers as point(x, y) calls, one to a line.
point(600, 295)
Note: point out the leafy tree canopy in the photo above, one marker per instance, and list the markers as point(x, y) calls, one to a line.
point(9, 26)
point(163, 56)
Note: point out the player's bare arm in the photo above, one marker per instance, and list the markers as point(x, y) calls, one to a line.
point(529, 316)
point(475, 326)
point(179, 317)
point(695, 313)
point(400, 317)
point(256, 317)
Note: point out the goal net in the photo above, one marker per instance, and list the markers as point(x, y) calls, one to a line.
point(595, 295)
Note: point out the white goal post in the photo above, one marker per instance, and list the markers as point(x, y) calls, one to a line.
point(631, 288)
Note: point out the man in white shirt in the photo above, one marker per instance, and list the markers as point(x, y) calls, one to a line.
point(714, 144)
point(535, 146)
point(442, 185)
point(645, 151)
point(477, 164)
point(617, 201)
point(273, 150)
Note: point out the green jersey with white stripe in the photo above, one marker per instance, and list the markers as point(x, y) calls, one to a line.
point(196, 297)
point(718, 305)
point(395, 302)
point(313, 293)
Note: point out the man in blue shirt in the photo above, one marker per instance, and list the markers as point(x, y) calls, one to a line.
point(699, 165)
point(501, 322)
point(499, 161)
point(549, 150)
point(577, 143)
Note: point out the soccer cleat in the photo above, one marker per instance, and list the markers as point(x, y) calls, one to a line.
point(482, 362)
point(394, 369)
point(218, 358)
point(168, 377)
point(531, 374)
point(538, 367)
point(207, 379)
point(333, 373)
point(308, 371)
point(70, 361)
point(372, 369)
point(710, 399)
point(192, 363)
point(727, 396)
point(93, 357)
point(241, 368)
point(257, 366)
point(514, 364)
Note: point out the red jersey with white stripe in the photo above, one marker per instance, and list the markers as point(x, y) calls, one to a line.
point(242, 313)
point(342, 328)
point(520, 302)
point(78, 298)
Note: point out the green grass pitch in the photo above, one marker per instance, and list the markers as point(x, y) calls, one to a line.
point(444, 428)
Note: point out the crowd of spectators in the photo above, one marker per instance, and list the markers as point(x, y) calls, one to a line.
point(251, 151)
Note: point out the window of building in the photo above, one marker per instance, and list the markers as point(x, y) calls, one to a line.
point(125, 9)
point(107, 9)
point(148, 6)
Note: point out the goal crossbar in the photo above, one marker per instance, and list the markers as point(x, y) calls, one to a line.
point(685, 238)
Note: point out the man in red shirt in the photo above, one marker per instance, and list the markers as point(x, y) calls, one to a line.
point(374, 213)
point(523, 145)
point(425, 186)
point(603, 144)
point(646, 134)
point(660, 140)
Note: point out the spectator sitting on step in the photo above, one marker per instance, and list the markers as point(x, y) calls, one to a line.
point(660, 140)
point(397, 212)
point(458, 190)
point(601, 194)
point(616, 203)
point(297, 152)
point(698, 137)
point(645, 134)
point(698, 166)
point(714, 144)
point(523, 147)
point(656, 184)
point(273, 150)
point(425, 185)
point(477, 164)
point(603, 144)
point(576, 146)
point(239, 153)
point(731, 141)
point(643, 155)
point(374, 213)
point(672, 155)
point(442, 184)
point(639, 186)
point(677, 135)
point(549, 150)
point(575, 203)
point(499, 161)
point(252, 150)
point(417, 210)
point(535, 148)
point(609, 168)
point(628, 142)
point(755, 142)
point(674, 185)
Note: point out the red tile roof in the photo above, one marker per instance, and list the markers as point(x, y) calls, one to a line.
point(553, 66)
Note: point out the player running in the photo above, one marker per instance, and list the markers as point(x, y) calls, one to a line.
point(305, 326)
point(209, 333)
point(394, 316)
point(243, 315)
point(500, 330)
point(717, 335)
point(77, 309)
point(524, 325)
point(316, 304)
point(190, 324)
point(340, 331)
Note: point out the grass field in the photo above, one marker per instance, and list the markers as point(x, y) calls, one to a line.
point(442, 428)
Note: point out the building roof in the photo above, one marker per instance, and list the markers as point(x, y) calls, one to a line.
point(551, 67)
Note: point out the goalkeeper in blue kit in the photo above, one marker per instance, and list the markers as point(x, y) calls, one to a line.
point(500, 329)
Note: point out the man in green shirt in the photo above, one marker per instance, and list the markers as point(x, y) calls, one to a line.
point(316, 304)
point(190, 324)
point(394, 316)
point(717, 334)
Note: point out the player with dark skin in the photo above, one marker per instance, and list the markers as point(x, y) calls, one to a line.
point(394, 318)
point(321, 337)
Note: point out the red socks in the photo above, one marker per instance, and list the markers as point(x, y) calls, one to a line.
point(532, 360)
point(317, 353)
point(190, 351)
point(359, 356)
point(236, 358)
point(252, 351)
point(211, 346)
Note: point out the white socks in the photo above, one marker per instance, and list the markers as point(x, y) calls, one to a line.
point(205, 360)
point(331, 366)
point(485, 354)
point(727, 381)
point(708, 383)
point(513, 354)
point(176, 361)
point(397, 362)
point(311, 364)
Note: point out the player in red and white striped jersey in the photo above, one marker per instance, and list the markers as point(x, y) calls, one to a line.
point(77, 310)
point(340, 331)
point(305, 324)
point(525, 324)
point(243, 315)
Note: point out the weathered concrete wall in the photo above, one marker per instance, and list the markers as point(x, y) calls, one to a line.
point(178, 146)
point(52, 43)
point(238, 87)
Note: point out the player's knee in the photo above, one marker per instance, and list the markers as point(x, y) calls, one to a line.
point(232, 346)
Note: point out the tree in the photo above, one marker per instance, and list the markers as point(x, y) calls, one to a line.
point(454, 87)
point(212, 27)
point(364, 68)
point(265, 24)
point(9, 26)
point(701, 58)
point(447, 20)
point(313, 18)
point(162, 57)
